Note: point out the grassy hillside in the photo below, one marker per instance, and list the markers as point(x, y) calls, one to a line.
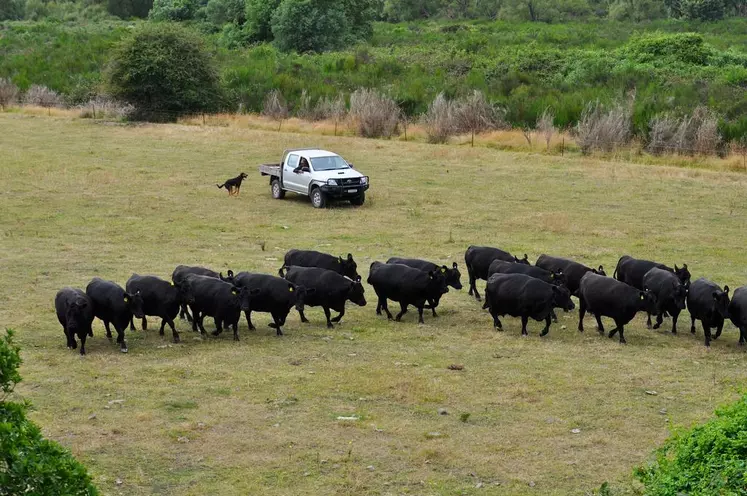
point(524, 67)
point(260, 416)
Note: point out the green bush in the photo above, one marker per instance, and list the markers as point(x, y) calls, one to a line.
point(163, 70)
point(173, 10)
point(129, 8)
point(259, 18)
point(709, 459)
point(31, 464)
point(703, 10)
point(12, 10)
point(220, 12)
point(310, 25)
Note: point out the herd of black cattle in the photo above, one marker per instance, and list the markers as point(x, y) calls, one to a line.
point(310, 278)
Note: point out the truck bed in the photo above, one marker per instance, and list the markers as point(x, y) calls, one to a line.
point(270, 169)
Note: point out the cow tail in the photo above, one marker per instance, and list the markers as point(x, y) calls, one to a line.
point(220, 185)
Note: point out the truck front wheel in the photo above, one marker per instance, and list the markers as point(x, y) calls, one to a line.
point(317, 198)
point(358, 200)
point(277, 191)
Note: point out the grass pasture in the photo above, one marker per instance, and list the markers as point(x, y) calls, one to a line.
point(82, 199)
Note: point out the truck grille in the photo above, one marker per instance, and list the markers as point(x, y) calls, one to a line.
point(354, 181)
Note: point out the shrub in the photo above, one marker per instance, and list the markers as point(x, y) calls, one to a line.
point(173, 10)
point(703, 10)
point(440, 120)
point(104, 107)
point(8, 93)
point(41, 96)
point(31, 464)
point(310, 26)
point(220, 12)
point(275, 107)
point(474, 114)
point(375, 114)
point(546, 126)
point(12, 10)
point(163, 70)
point(602, 129)
point(708, 459)
point(692, 134)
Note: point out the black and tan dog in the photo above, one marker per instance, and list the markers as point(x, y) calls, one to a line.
point(233, 185)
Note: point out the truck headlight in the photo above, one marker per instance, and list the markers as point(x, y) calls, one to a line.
point(364, 180)
point(332, 182)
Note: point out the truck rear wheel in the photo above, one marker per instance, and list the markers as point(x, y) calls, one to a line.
point(358, 200)
point(277, 191)
point(318, 199)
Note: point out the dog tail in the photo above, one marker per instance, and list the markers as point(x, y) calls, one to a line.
point(220, 185)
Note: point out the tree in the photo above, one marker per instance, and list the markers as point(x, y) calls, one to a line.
point(259, 18)
point(129, 8)
point(310, 25)
point(12, 10)
point(163, 70)
point(173, 10)
point(704, 10)
point(220, 12)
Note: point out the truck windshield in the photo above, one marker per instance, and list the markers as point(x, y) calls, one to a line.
point(329, 163)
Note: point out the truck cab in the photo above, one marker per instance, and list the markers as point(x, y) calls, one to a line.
point(320, 174)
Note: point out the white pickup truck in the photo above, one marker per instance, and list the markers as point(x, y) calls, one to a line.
point(318, 174)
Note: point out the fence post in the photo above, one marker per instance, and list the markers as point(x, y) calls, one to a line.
point(562, 147)
point(203, 118)
point(93, 108)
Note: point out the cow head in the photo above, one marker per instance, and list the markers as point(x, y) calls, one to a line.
point(679, 295)
point(243, 175)
point(299, 294)
point(524, 260)
point(75, 311)
point(682, 274)
point(244, 297)
point(134, 303)
point(647, 301)
point(452, 276)
point(562, 298)
point(356, 293)
point(558, 277)
point(229, 277)
point(599, 270)
point(185, 295)
point(349, 267)
point(437, 282)
point(721, 302)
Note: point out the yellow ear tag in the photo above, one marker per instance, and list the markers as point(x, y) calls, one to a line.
point(172, 283)
point(290, 289)
point(443, 270)
point(126, 299)
point(234, 292)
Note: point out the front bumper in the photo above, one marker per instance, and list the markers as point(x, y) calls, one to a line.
point(343, 191)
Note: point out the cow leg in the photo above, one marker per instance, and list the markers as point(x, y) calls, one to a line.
point(278, 322)
point(433, 306)
point(194, 319)
point(303, 317)
point(145, 323)
point(83, 344)
point(184, 313)
point(524, 320)
point(403, 310)
point(621, 329)
point(496, 321)
point(339, 317)
point(648, 320)
point(200, 318)
point(718, 330)
point(218, 327)
point(326, 314)
point(692, 324)
point(67, 337)
point(235, 327)
point(71, 344)
point(614, 331)
point(547, 326)
point(659, 320)
point(108, 330)
point(675, 316)
point(600, 326)
point(471, 281)
point(248, 315)
point(385, 307)
point(420, 315)
point(121, 338)
point(581, 313)
point(707, 332)
point(175, 334)
point(163, 325)
point(132, 323)
point(553, 316)
point(742, 335)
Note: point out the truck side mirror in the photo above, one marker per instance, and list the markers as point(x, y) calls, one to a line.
point(351, 165)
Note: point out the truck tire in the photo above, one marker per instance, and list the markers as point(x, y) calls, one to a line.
point(318, 199)
point(277, 192)
point(358, 200)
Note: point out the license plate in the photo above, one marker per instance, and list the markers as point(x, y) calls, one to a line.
point(352, 191)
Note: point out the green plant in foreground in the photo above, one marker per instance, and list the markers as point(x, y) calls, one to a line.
point(30, 464)
point(709, 459)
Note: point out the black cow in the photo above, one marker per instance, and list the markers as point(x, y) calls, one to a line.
point(601, 295)
point(311, 258)
point(183, 271)
point(503, 267)
point(478, 260)
point(632, 270)
point(276, 296)
point(572, 271)
point(75, 313)
point(738, 313)
point(221, 300)
point(707, 302)
point(160, 299)
point(521, 295)
point(452, 275)
point(670, 295)
point(407, 285)
point(112, 304)
point(326, 289)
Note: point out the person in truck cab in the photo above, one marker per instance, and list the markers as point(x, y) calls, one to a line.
point(303, 166)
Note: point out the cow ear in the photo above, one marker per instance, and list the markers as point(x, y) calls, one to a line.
point(454, 265)
point(552, 276)
point(358, 279)
point(444, 269)
point(726, 289)
point(339, 259)
point(676, 269)
point(290, 288)
point(234, 291)
point(126, 298)
point(684, 266)
point(526, 257)
point(350, 257)
point(230, 273)
point(601, 268)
